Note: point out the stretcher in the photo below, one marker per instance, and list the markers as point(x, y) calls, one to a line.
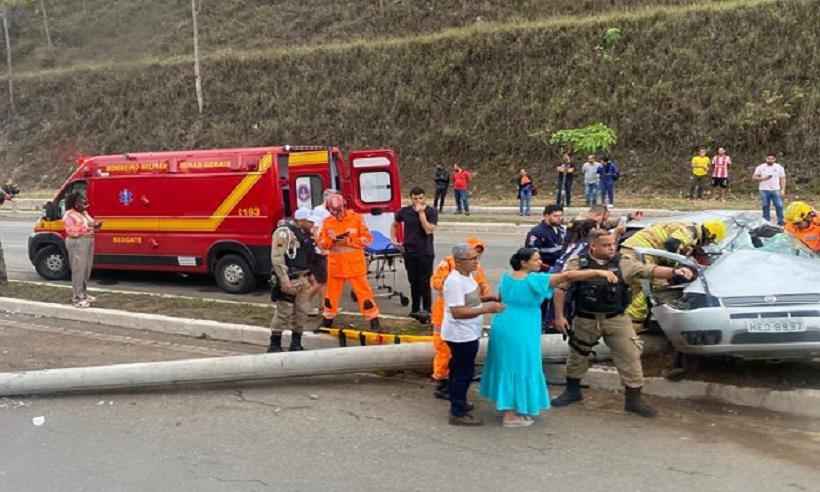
point(382, 259)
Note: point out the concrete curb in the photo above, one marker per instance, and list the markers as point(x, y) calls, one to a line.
point(801, 402)
point(229, 332)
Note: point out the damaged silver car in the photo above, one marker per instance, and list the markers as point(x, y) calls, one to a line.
point(758, 299)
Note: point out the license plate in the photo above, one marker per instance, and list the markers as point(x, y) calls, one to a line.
point(775, 325)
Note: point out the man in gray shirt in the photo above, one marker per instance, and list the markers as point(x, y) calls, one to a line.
point(591, 179)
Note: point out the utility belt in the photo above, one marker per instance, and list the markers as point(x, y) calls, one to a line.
point(595, 316)
point(298, 275)
point(344, 249)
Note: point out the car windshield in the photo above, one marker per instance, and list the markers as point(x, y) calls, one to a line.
point(745, 230)
point(750, 231)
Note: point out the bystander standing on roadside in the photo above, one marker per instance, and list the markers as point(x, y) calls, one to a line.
point(525, 192)
point(4, 277)
point(591, 179)
point(700, 171)
point(442, 180)
point(720, 172)
point(80, 228)
point(419, 221)
point(609, 175)
point(461, 189)
point(464, 309)
point(771, 178)
point(566, 174)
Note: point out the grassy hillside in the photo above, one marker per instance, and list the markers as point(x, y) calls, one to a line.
point(102, 31)
point(734, 72)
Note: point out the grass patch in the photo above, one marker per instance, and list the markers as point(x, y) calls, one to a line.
point(241, 313)
point(469, 92)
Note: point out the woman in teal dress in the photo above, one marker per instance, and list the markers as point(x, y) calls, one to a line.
point(513, 374)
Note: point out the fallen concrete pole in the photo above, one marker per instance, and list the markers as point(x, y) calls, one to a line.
point(246, 368)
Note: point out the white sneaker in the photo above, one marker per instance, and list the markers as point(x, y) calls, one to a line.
point(90, 298)
point(519, 422)
point(82, 304)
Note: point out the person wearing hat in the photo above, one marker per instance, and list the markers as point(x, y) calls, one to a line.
point(292, 254)
point(803, 222)
point(682, 238)
point(345, 236)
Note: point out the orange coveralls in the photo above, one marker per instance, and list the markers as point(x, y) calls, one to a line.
point(810, 236)
point(346, 263)
point(441, 361)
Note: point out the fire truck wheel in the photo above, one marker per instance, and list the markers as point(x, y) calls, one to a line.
point(234, 275)
point(51, 263)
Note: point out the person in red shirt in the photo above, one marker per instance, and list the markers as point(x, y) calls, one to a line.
point(461, 186)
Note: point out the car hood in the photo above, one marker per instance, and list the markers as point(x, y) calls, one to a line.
point(760, 273)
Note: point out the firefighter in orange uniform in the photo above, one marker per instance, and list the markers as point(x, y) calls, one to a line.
point(441, 361)
point(344, 236)
point(803, 222)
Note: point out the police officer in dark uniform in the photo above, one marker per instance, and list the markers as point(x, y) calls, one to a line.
point(548, 237)
point(599, 312)
point(292, 252)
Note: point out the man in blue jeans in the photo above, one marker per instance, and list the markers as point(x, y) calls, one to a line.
point(464, 309)
point(771, 178)
point(609, 174)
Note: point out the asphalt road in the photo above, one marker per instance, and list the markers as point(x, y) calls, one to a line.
point(360, 433)
point(14, 233)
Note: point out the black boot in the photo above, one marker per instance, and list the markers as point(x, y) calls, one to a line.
point(326, 323)
point(296, 342)
point(376, 325)
point(633, 403)
point(275, 342)
point(442, 391)
point(571, 394)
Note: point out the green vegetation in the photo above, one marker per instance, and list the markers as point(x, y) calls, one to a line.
point(587, 140)
point(435, 84)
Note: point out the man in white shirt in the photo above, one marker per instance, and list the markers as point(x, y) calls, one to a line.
point(464, 309)
point(771, 178)
point(318, 217)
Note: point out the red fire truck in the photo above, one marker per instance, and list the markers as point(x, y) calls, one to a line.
point(209, 211)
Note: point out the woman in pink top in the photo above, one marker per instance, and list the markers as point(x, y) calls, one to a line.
point(79, 227)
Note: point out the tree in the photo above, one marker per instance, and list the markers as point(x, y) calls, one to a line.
point(5, 8)
point(198, 78)
point(590, 139)
point(45, 24)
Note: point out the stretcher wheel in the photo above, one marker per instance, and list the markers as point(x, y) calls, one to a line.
point(404, 300)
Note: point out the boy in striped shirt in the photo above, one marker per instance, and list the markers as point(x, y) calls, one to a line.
point(720, 172)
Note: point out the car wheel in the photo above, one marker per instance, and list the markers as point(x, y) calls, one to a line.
point(234, 275)
point(51, 263)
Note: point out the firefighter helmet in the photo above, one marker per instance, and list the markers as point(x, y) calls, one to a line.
point(798, 212)
point(716, 230)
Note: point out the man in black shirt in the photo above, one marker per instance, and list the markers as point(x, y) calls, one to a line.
point(419, 221)
point(442, 183)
